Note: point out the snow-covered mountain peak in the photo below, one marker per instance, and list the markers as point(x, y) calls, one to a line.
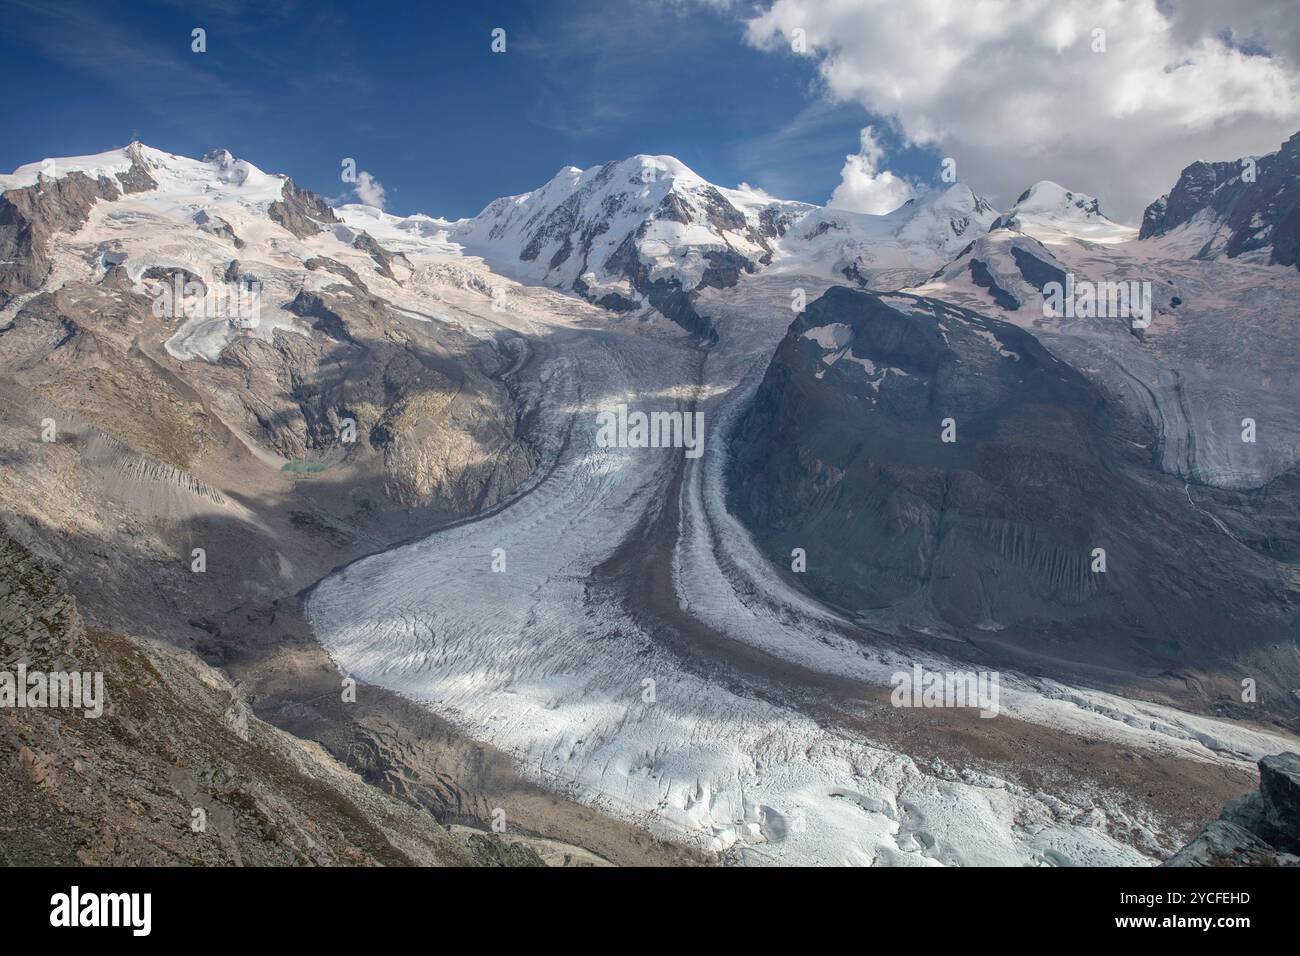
point(221, 158)
point(650, 169)
point(890, 251)
point(944, 217)
point(645, 230)
point(958, 196)
point(1046, 196)
point(138, 167)
point(1051, 213)
point(611, 232)
point(96, 165)
point(230, 170)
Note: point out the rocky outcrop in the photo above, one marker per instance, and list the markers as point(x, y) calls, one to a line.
point(421, 394)
point(1259, 829)
point(326, 264)
point(39, 620)
point(30, 216)
point(1249, 205)
point(491, 850)
point(994, 539)
point(384, 259)
point(301, 211)
point(170, 274)
point(665, 294)
point(216, 226)
point(136, 179)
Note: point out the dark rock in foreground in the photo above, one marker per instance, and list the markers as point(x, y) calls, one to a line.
point(1259, 829)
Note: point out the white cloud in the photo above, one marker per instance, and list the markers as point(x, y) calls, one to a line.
point(758, 191)
point(866, 188)
point(1012, 90)
point(370, 190)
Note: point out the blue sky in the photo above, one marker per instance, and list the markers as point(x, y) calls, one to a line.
point(415, 95)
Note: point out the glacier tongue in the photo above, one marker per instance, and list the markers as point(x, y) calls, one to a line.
point(550, 657)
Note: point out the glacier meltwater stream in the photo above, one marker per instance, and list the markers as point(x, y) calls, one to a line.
point(613, 627)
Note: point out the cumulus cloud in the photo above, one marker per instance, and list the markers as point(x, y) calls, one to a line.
point(370, 190)
point(864, 187)
point(1014, 91)
point(756, 190)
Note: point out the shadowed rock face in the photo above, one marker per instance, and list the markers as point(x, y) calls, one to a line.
point(1259, 829)
point(668, 295)
point(153, 455)
point(326, 264)
point(422, 393)
point(1252, 215)
point(990, 539)
point(431, 417)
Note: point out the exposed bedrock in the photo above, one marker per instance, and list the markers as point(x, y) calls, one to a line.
point(300, 211)
point(1254, 203)
point(992, 539)
point(30, 216)
point(1261, 828)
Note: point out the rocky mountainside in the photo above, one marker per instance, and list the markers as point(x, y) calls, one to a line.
point(36, 203)
point(331, 413)
point(1007, 265)
point(989, 542)
point(175, 737)
point(221, 398)
point(1188, 345)
point(190, 465)
point(1249, 208)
